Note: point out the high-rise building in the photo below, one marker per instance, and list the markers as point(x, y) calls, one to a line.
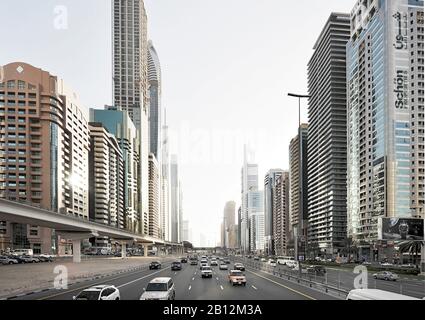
point(228, 221)
point(165, 185)
point(155, 111)
point(269, 186)
point(130, 74)
point(233, 237)
point(327, 138)
point(175, 199)
point(44, 147)
point(186, 234)
point(239, 226)
point(119, 124)
point(385, 75)
point(298, 178)
point(256, 220)
point(249, 179)
point(180, 214)
point(280, 211)
point(154, 201)
point(106, 180)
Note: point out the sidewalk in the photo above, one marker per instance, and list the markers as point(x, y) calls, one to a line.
point(23, 278)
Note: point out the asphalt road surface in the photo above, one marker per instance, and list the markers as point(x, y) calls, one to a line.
point(190, 286)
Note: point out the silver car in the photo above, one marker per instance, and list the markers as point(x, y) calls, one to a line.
point(386, 275)
point(160, 289)
point(7, 260)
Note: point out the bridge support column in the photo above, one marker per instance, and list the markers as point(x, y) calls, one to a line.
point(123, 250)
point(145, 247)
point(76, 250)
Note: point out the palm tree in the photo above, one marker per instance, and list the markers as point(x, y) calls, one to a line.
point(413, 248)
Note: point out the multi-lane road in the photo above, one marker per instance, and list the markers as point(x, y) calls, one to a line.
point(190, 286)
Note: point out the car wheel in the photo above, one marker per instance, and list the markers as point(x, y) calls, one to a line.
point(117, 299)
point(34, 261)
point(10, 262)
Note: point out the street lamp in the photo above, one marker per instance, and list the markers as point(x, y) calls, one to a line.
point(300, 225)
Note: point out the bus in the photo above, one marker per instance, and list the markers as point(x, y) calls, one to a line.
point(286, 260)
point(22, 252)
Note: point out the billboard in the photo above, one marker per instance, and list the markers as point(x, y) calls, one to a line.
point(401, 229)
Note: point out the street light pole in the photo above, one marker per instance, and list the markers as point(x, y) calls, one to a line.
point(300, 226)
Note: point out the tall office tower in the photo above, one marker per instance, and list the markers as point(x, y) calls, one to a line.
point(222, 235)
point(119, 124)
point(281, 214)
point(256, 220)
point(327, 138)
point(106, 180)
point(269, 186)
point(165, 185)
point(174, 198)
point(298, 185)
point(186, 231)
point(233, 237)
point(155, 111)
point(228, 220)
point(385, 67)
point(180, 216)
point(239, 227)
point(249, 178)
point(130, 74)
point(154, 201)
point(44, 146)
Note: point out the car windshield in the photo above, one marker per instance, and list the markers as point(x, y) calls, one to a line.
point(236, 273)
point(89, 295)
point(206, 269)
point(176, 264)
point(156, 287)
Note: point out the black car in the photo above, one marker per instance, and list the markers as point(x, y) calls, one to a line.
point(239, 266)
point(183, 260)
point(155, 265)
point(175, 266)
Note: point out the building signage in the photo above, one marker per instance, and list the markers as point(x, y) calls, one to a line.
point(401, 31)
point(400, 89)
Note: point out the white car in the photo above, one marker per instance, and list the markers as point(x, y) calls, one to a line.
point(272, 263)
point(214, 263)
point(206, 272)
point(160, 289)
point(386, 275)
point(101, 292)
point(223, 266)
point(263, 260)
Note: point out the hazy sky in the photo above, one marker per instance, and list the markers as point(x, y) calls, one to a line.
point(227, 66)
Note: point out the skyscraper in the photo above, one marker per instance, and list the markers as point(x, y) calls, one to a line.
point(155, 111)
point(120, 125)
point(154, 201)
point(175, 199)
point(165, 184)
point(256, 220)
point(44, 147)
point(298, 185)
point(327, 138)
point(228, 221)
point(281, 214)
point(106, 180)
point(385, 70)
point(130, 74)
point(269, 186)
point(249, 182)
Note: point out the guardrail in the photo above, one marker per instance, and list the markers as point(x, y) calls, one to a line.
point(307, 280)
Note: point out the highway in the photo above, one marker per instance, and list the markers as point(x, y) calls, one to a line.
point(190, 286)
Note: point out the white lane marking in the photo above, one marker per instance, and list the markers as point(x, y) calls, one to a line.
point(190, 288)
point(221, 287)
point(217, 278)
point(193, 278)
point(254, 288)
point(149, 275)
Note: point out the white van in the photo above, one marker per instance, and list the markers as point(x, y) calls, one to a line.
point(376, 294)
point(23, 252)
